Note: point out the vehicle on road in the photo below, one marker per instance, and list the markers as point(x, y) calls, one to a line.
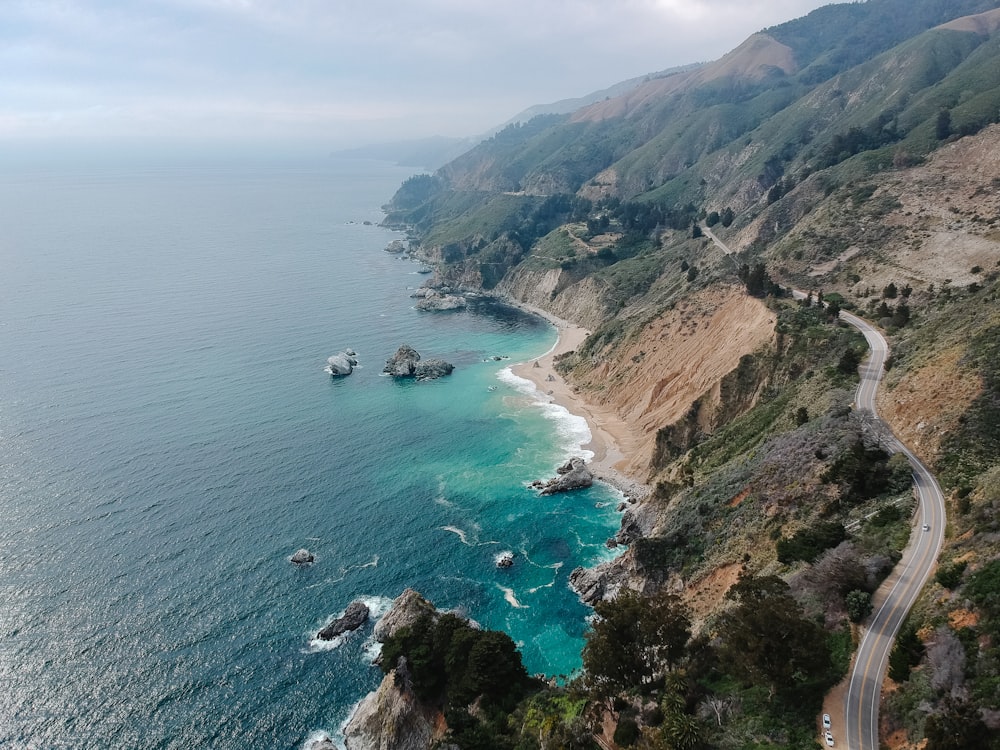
point(829, 739)
point(927, 527)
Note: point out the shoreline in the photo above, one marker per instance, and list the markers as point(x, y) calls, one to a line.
point(608, 431)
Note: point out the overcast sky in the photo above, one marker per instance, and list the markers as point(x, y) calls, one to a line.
point(335, 72)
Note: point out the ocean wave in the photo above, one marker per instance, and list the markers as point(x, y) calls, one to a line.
point(321, 735)
point(573, 430)
point(373, 563)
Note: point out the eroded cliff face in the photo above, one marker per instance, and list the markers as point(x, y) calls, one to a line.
point(391, 718)
point(654, 376)
point(557, 292)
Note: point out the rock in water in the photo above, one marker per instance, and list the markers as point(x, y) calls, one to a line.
point(303, 557)
point(405, 363)
point(572, 475)
point(435, 301)
point(432, 368)
point(505, 559)
point(340, 364)
point(353, 618)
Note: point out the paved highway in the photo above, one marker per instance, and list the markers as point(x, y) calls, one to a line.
point(901, 590)
point(859, 727)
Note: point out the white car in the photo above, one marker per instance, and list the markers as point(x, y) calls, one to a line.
point(829, 739)
point(927, 527)
point(826, 721)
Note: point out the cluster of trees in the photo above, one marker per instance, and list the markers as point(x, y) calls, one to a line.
point(880, 132)
point(758, 282)
point(450, 664)
point(864, 473)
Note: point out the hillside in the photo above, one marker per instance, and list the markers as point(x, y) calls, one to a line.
point(855, 153)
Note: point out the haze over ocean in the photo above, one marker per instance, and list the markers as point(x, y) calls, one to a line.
point(168, 438)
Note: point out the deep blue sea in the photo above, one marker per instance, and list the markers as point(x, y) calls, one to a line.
point(168, 438)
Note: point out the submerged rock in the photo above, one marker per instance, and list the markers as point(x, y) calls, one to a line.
point(303, 557)
point(353, 618)
point(406, 363)
point(572, 475)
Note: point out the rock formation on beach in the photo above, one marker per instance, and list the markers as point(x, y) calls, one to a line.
point(406, 363)
point(353, 618)
point(572, 475)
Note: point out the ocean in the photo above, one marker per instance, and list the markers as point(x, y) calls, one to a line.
point(168, 438)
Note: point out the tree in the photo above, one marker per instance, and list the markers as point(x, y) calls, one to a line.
point(695, 231)
point(726, 217)
point(766, 639)
point(958, 727)
point(942, 127)
point(712, 219)
point(859, 605)
point(890, 291)
point(801, 416)
point(633, 639)
point(906, 652)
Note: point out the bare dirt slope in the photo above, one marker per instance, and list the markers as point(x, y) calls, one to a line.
point(681, 356)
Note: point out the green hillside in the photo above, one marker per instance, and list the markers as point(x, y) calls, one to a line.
point(854, 152)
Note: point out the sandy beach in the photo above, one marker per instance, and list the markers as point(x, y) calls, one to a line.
point(609, 432)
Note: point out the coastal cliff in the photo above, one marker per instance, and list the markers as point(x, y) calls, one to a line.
point(834, 169)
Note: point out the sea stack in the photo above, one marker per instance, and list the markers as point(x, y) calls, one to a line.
point(303, 557)
point(406, 363)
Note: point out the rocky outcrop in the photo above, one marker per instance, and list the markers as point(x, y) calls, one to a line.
point(406, 363)
point(302, 557)
point(342, 363)
point(572, 475)
point(405, 610)
point(391, 718)
point(605, 581)
point(353, 618)
point(396, 247)
point(437, 302)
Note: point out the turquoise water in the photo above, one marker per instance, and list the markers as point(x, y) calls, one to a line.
point(168, 438)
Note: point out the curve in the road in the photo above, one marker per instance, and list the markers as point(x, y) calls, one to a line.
point(912, 573)
point(898, 594)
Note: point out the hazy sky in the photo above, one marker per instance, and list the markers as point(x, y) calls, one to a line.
point(335, 72)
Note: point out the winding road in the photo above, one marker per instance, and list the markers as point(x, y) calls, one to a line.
point(898, 593)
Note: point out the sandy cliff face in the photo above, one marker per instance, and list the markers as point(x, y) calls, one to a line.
point(678, 357)
point(556, 292)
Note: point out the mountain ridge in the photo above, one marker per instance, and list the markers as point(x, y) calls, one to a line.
point(865, 170)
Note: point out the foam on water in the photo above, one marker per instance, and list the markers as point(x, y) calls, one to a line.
point(195, 444)
point(573, 430)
